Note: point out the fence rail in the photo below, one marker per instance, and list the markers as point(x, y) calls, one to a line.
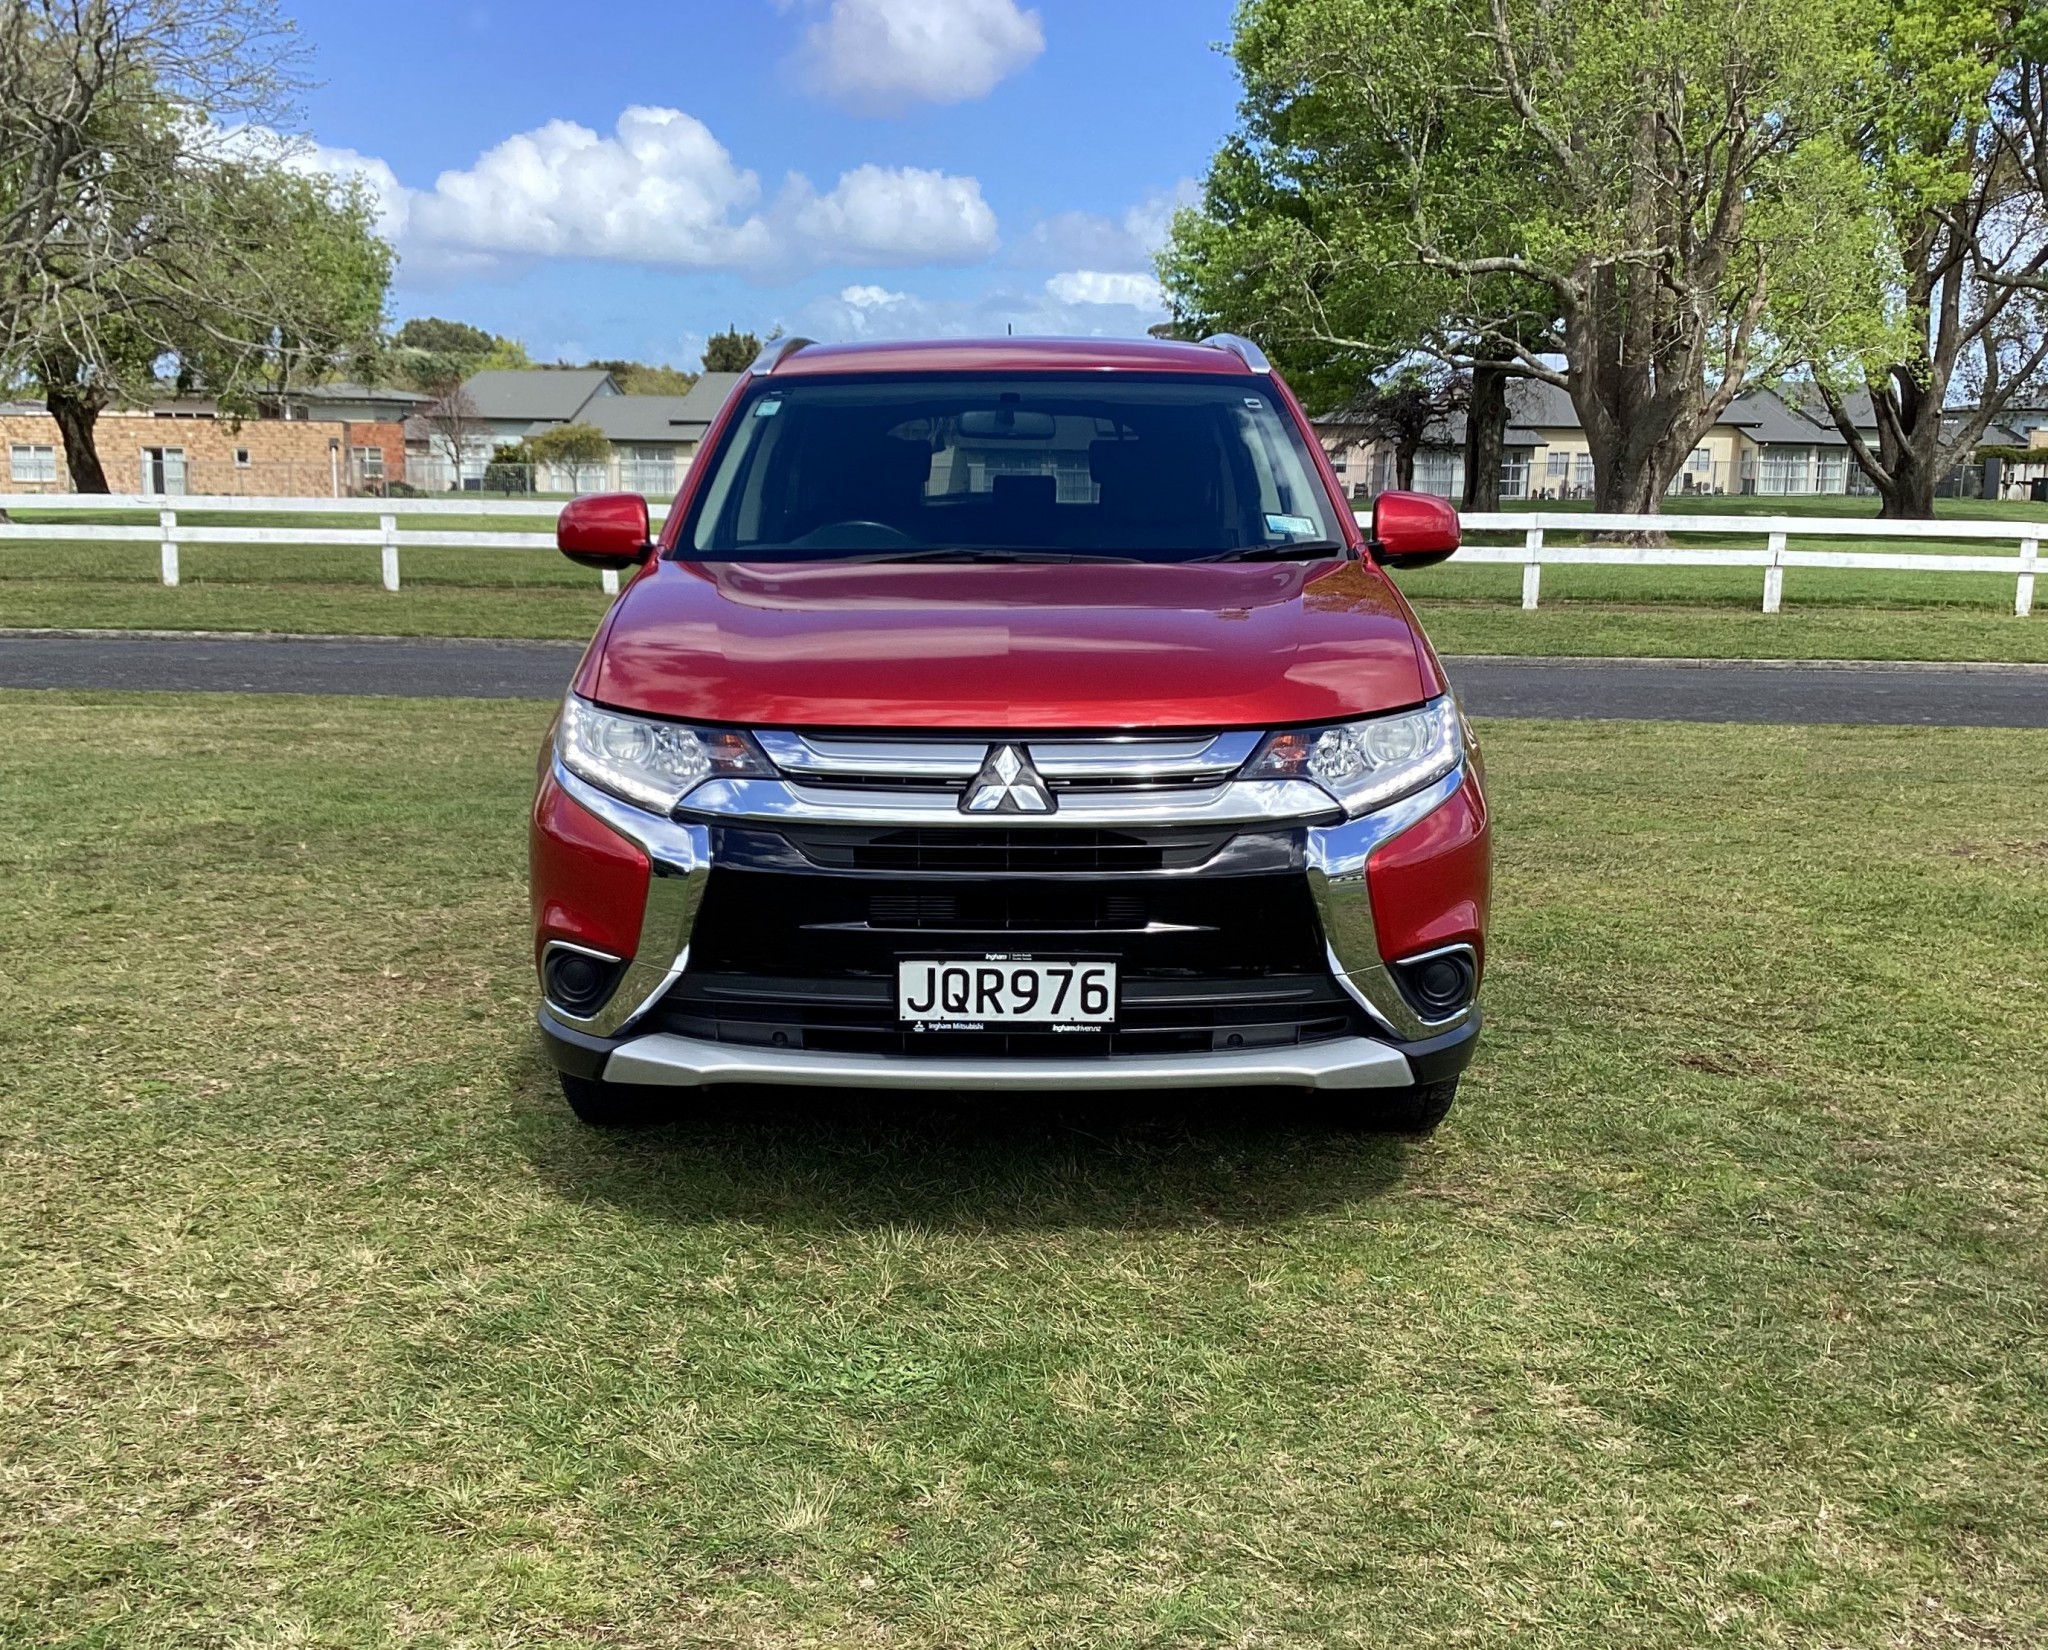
point(1536, 552)
point(1533, 554)
point(387, 537)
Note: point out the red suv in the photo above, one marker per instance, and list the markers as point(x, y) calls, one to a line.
point(1011, 715)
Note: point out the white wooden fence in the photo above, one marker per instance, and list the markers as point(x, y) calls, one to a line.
point(387, 537)
point(1533, 554)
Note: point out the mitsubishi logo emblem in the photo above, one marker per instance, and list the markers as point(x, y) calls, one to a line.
point(1007, 784)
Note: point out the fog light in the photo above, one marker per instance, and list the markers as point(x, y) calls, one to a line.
point(1439, 986)
point(578, 982)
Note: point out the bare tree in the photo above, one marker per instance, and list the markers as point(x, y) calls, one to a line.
point(453, 423)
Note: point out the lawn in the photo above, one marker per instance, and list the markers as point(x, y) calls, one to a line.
point(1714, 1316)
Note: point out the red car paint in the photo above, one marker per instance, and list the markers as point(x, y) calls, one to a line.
point(588, 883)
point(1431, 885)
point(1027, 647)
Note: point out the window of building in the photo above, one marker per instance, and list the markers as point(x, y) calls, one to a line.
point(1702, 461)
point(1582, 471)
point(241, 458)
point(1514, 475)
point(31, 461)
point(368, 462)
point(1556, 466)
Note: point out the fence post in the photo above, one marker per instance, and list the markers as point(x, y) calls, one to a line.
point(610, 576)
point(1532, 569)
point(390, 526)
point(167, 523)
point(1774, 576)
point(2023, 601)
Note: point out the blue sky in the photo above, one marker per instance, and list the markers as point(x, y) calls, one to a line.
point(624, 179)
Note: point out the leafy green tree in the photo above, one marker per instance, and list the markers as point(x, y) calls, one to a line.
point(431, 335)
point(1306, 235)
point(1953, 132)
point(1647, 203)
point(731, 351)
point(638, 378)
point(576, 448)
point(133, 228)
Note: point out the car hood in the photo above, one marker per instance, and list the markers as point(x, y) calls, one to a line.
point(1030, 646)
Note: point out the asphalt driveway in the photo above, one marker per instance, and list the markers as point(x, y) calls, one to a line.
point(1631, 689)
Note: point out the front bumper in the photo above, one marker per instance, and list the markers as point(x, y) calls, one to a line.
point(1252, 958)
point(1348, 1063)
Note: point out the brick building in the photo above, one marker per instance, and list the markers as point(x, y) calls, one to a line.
point(187, 447)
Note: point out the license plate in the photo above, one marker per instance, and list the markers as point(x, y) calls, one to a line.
point(999, 992)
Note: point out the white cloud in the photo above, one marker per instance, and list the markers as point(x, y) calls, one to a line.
point(1094, 286)
point(1091, 240)
point(880, 56)
point(901, 216)
point(871, 297)
point(662, 191)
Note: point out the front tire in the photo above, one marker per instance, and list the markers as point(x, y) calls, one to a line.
point(1418, 1110)
point(604, 1105)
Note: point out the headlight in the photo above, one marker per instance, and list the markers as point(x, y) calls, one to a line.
point(652, 765)
point(1366, 765)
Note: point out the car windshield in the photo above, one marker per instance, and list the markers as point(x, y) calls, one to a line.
point(1120, 467)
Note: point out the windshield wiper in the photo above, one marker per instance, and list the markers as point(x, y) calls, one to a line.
point(980, 555)
point(1304, 550)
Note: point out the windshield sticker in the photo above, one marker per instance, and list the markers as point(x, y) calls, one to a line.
point(1253, 402)
point(1299, 526)
point(768, 409)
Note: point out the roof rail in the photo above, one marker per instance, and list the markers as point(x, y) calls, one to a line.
point(778, 351)
point(1243, 348)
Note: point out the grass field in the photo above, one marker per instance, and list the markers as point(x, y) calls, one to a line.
point(1714, 1316)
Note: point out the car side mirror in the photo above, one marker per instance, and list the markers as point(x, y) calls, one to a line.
point(1413, 530)
point(604, 530)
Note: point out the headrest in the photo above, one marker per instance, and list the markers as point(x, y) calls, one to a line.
point(1027, 492)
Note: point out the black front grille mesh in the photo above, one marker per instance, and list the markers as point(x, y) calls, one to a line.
point(1036, 851)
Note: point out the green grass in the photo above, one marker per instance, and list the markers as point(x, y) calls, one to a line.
point(1714, 1316)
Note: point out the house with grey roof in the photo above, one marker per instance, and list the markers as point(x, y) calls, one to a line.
point(1764, 444)
point(653, 437)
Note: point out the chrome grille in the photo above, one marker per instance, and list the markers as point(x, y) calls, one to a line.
point(1113, 765)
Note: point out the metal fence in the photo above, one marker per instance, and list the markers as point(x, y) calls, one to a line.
point(1535, 552)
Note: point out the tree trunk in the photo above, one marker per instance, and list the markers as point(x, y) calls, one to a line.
point(76, 411)
point(1906, 493)
point(1486, 428)
point(1404, 461)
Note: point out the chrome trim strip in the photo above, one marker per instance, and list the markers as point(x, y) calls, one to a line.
point(1244, 802)
point(806, 754)
point(679, 864)
point(1337, 857)
point(1243, 348)
point(809, 755)
point(687, 1062)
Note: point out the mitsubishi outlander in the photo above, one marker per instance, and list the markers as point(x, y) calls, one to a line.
point(1017, 715)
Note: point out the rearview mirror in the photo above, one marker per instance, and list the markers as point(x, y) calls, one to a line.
point(607, 530)
point(1413, 530)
